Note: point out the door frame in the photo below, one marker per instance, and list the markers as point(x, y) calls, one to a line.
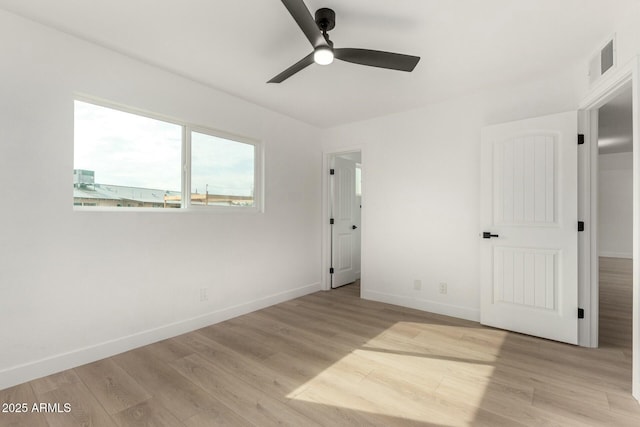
point(327, 155)
point(609, 87)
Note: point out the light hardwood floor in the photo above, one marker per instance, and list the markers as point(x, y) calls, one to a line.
point(333, 359)
point(616, 298)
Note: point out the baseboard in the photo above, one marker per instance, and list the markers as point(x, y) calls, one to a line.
point(616, 255)
point(60, 362)
point(460, 312)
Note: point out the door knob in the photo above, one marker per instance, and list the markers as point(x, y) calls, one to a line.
point(353, 227)
point(488, 235)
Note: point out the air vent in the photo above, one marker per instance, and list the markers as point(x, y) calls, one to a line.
point(602, 61)
point(606, 57)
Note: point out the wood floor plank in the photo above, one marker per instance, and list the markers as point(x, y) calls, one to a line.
point(183, 398)
point(170, 350)
point(219, 418)
point(19, 401)
point(512, 409)
point(239, 340)
point(85, 410)
point(580, 411)
point(623, 404)
point(616, 298)
point(147, 413)
point(245, 400)
point(271, 382)
point(52, 382)
point(113, 386)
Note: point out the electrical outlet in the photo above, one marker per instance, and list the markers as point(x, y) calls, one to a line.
point(443, 288)
point(417, 284)
point(203, 295)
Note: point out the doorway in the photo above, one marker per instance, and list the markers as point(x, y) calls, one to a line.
point(617, 82)
point(615, 223)
point(345, 218)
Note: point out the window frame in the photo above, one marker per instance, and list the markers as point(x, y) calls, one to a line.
point(186, 172)
point(185, 164)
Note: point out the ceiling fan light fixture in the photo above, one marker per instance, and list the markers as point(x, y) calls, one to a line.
point(323, 55)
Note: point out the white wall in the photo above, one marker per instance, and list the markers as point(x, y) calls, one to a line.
point(421, 192)
point(615, 205)
point(78, 286)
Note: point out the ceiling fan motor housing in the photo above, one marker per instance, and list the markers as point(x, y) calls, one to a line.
point(326, 19)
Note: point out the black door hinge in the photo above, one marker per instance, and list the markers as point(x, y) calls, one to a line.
point(332, 171)
point(580, 225)
point(331, 270)
point(331, 221)
point(580, 138)
point(581, 313)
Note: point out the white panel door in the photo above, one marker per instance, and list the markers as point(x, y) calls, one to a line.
point(529, 200)
point(344, 215)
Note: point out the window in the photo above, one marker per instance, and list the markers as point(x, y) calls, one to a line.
point(126, 160)
point(222, 171)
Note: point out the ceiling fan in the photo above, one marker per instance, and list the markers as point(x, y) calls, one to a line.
point(323, 51)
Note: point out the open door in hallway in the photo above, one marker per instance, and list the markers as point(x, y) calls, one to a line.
point(345, 236)
point(529, 217)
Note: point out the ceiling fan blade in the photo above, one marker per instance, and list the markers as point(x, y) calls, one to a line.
point(298, 66)
point(377, 58)
point(305, 21)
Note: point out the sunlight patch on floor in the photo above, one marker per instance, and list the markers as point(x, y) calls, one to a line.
point(417, 374)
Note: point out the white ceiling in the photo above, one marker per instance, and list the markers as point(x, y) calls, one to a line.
point(237, 45)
